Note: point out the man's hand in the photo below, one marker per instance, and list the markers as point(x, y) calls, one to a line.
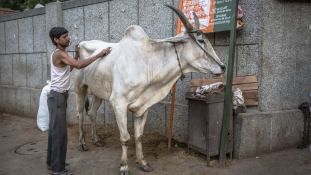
point(77, 55)
point(104, 52)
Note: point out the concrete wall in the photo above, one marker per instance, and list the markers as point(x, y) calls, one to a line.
point(285, 61)
point(284, 81)
point(266, 132)
point(272, 45)
point(23, 70)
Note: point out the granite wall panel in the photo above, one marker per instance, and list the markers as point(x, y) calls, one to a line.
point(2, 38)
point(286, 130)
point(73, 20)
point(45, 69)
point(34, 102)
point(248, 61)
point(8, 100)
point(301, 79)
point(180, 122)
point(122, 15)
point(252, 134)
point(304, 23)
point(6, 68)
point(155, 122)
point(23, 107)
point(1, 99)
point(96, 22)
point(19, 70)
point(34, 70)
point(71, 113)
point(53, 17)
point(11, 36)
point(39, 36)
point(251, 29)
point(155, 18)
point(223, 54)
point(26, 35)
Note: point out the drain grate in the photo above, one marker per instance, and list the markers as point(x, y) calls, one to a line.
point(32, 148)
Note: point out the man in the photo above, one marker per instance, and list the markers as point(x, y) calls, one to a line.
point(61, 66)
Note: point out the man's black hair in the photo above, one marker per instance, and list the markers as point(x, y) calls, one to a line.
point(56, 32)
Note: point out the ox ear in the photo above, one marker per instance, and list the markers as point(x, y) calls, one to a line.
point(174, 40)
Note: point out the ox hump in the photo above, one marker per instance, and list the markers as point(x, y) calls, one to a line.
point(136, 33)
point(91, 46)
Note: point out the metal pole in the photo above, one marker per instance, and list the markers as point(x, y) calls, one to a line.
point(228, 95)
point(171, 117)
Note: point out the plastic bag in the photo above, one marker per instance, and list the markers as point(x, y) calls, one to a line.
point(43, 117)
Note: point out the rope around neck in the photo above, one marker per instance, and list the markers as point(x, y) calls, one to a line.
point(182, 74)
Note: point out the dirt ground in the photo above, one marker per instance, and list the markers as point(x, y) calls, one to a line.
point(23, 152)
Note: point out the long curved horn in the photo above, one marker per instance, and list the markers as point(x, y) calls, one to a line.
point(182, 17)
point(196, 22)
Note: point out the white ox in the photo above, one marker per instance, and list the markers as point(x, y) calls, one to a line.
point(138, 73)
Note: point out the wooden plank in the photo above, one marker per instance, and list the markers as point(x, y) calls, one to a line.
point(193, 88)
point(251, 102)
point(245, 79)
point(195, 82)
point(250, 94)
point(243, 87)
point(236, 80)
point(213, 80)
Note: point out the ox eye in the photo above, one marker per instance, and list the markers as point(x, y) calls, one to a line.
point(201, 41)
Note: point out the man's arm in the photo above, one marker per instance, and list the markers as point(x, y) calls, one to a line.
point(77, 55)
point(73, 63)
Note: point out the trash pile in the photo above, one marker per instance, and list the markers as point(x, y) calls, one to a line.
point(218, 88)
point(215, 88)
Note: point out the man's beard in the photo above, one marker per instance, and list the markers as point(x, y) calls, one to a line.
point(66, 45)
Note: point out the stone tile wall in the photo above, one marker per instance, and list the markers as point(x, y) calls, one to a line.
point(285, 55)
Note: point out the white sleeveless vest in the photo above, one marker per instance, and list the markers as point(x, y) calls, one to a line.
point(60, 77)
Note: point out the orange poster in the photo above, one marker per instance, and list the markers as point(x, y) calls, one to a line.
point(205, 10)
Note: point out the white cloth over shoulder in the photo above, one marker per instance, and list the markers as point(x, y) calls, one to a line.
point(43, 117)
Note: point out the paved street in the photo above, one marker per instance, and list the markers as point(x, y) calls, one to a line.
point(23, 152)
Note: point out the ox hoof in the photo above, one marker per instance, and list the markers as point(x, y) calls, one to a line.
point(98, 144)
point(82, 147)
point(124, 173)
point(146, 168)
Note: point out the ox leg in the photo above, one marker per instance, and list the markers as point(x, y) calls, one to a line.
point(93, 114)
point(80, 100)
point(139, 124)
point(121, 117)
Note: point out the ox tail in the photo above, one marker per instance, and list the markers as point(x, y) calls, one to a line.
point(88, 101)
point(87, 105)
